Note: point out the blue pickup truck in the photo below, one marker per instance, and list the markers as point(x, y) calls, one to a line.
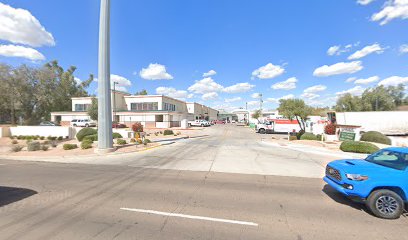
point(380, 181)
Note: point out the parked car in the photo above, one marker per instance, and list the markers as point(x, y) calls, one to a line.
point(82, 123)
point(380, 181)
point(199, 123)
point(48, 123)
point(219, 121)
point(118, 125)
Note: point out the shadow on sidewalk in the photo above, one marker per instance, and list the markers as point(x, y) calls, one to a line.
point(10, 195)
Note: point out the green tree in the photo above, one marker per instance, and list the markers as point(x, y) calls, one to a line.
point(143, 92)
point(256, 114)
point(93, 109)
point(348, 103)
point(295, 109)
point(379, 99)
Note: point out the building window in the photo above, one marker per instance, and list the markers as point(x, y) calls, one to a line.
point(147, 106)
point(81, 107)
point(169, 107)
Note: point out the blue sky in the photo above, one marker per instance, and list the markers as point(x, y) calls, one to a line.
point(277, 48)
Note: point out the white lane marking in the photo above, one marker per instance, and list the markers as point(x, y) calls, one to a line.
point(190, 216)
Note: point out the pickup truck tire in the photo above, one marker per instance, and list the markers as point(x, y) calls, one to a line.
point(262, 131)
point(386, 204)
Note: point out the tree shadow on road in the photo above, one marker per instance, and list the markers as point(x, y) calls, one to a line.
point(10, 194)
point(340, 198)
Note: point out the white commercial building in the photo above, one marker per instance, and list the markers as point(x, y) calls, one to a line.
point(153, 111)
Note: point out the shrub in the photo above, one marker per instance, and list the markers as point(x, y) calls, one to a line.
point(132, 140)
point(147, 141)
point(44, 147)
point(16, 148)
point(35, 138)
point(330, 129)
point(69, 146)
point(377, 137)
point(156, 133)
point(139, 141)
point(358, 147)
point(19, 137)
point(14, 141)
point(33, 146)
point(308, 136)
point(137, 127)
point(91, 137)
point(42, 138)
point(86, 144)
point(178, 133)
point(121, 141)
point(299, 134)
point(29, 137)
point(85, 132)
point(292, 138)
point(51, 138)
point(60, 138)
point(320, 137)
point(168, 132)
point(116, 135)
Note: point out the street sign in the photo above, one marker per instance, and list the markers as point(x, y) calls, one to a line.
point(344, 136)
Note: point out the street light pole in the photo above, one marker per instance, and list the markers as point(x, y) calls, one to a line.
point(114, 101)
point(105, 142)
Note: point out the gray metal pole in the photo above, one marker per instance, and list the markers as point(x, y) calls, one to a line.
point(105, 142)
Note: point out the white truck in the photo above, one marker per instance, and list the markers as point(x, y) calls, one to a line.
point(386, 122)
point(277, 125)
point(199, 123)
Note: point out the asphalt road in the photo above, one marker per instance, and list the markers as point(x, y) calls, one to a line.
point(149, 197)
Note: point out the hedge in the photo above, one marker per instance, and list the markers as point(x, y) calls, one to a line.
point(85, 132)
point(69, 146)
point(308, 136)
point(358, 147)
point(377, 137)
point(121, 141)
point(116, 135)
point(86, 144)
point(92, 138)
point(168, 132)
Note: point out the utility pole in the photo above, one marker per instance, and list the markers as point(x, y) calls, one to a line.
point(105, 142)
point(114, 101)
point(246, 106)
point(260, 103)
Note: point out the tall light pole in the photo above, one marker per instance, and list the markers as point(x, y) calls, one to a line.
point(105, 142)
point(114, 101)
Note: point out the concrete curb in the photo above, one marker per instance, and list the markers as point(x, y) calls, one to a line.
point(317, 150)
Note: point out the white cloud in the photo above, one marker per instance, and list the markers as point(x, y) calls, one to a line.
point(172, 92)
point(338, 68)
point(235, 99)
point(315, 89)
point(310, 96)
point(77, 80)
point(210, 96)
point(253, 103)
point(367, 80)
point(286, 85)
point(391, 10)
point(276, 100)
point(155, 71)
point(20, 51)
point(268, 71)
point(333, 50)
point(403, 48)
point(375, 48)
point(256, 95)
point(206, 85)
point(351, 79)
point(20, 26)
point(356, 91)
point(209, 73)
point(121, 82)
point(239, 88)
point(364, 2)
point(394, 81)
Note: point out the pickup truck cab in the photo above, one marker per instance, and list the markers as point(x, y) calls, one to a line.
point(199, 123)
point(380, 181)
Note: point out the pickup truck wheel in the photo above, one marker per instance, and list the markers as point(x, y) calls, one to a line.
point(385, 204)
point(202, 125)
point(262, 131)
point(86, 125)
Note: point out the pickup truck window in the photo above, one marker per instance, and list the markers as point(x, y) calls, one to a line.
point(389, 159)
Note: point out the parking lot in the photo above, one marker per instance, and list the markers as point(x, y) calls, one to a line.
point(225, 184)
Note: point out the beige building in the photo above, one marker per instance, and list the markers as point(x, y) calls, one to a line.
point(153, 111)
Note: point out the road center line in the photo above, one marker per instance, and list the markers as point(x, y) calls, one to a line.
point(190, 216)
